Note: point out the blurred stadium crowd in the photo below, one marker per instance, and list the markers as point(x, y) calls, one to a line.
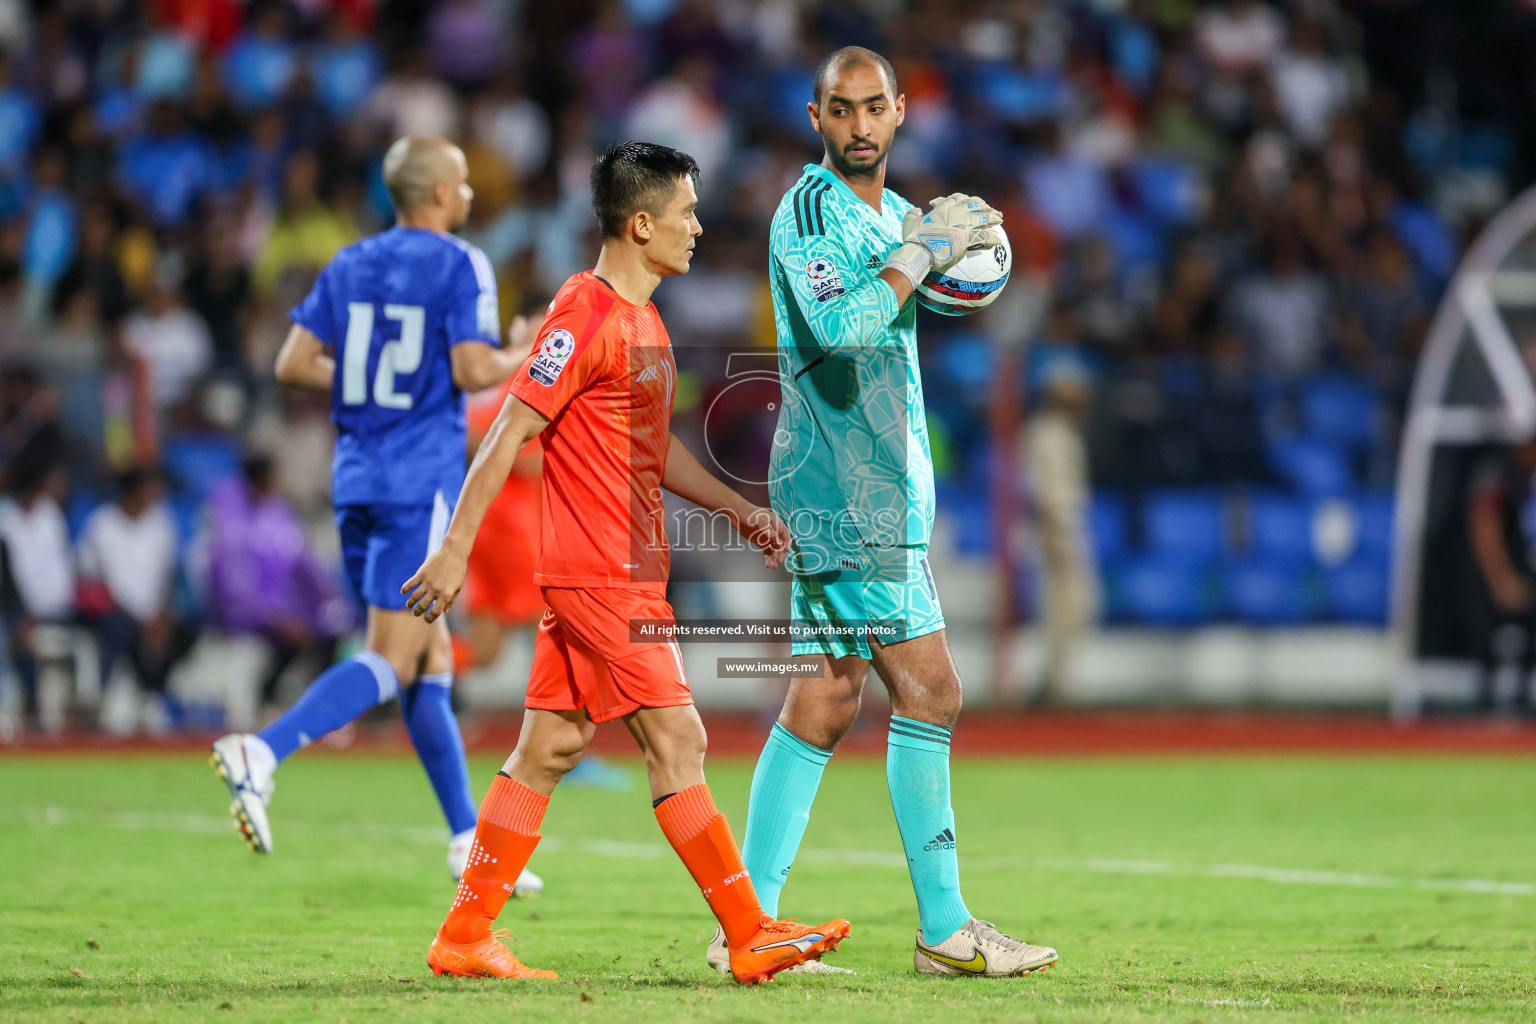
point(1231, 221)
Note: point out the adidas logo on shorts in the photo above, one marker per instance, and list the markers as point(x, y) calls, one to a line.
point(649, 373)
point(943, 841)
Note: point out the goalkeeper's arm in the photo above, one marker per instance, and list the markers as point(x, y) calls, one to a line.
point(813, 269)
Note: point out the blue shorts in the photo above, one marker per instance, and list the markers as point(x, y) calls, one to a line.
point(382, 546)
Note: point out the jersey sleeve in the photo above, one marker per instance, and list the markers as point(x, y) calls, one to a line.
point(473, 314)
point(814, 269)
point(314, 314)
point(569, 355)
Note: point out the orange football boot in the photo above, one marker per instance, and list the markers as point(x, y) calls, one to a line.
point(779, 945)
point(488, 959)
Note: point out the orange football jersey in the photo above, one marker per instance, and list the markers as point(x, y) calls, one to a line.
point(602, 370)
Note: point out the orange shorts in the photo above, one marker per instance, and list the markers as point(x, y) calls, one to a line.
point(583, 656)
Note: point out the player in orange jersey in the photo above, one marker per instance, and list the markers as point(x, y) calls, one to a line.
point(601, 379)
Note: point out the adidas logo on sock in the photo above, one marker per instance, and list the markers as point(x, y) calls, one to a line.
point(943, 841)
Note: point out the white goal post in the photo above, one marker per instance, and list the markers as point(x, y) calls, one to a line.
point(1496, 277)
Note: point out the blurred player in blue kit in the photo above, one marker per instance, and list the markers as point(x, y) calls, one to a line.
point(397, 328)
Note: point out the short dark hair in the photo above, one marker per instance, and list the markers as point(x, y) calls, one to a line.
point(36, 460)
point(133, 481)
point(257, 467)
point(636, 176)
point(850, 56)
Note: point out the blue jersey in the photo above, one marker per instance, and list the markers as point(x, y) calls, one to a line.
point(390, 308)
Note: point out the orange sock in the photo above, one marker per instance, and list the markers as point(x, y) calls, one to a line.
point(702, 838)
point(505, 836)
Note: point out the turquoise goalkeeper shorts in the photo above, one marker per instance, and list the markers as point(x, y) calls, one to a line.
point(881, 594)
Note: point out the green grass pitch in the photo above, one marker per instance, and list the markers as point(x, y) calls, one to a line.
point(1177, 889)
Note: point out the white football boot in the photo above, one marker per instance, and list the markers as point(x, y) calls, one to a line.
point(719, 957)
point(528, 883)
point(980, 950)
point(246, 765)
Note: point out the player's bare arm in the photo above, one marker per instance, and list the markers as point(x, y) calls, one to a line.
point(303, 361)
point(686, 478)
point(477, 366)
point(436, 585)
point(930, 241)
point(1485, 528)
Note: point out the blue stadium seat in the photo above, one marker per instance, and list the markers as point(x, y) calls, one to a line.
point(187, 512)
point(1340, 409)
point(1135, 241)
point(1111, 590)
point(969, 509)
point(781, 94)
point(967, 359)
point(1020, 96)
point(1183, 377)
point(1168, 189)
point(1280, 528)
point(1107, 526)
point(1373, 517)
point(1358, 590)
point(1311, 466)
point(82, 502)
point(1134, 51)
point(1046, 359)
point(1483, 146)
point(1161, 592)
point(197, 462)
point(1186, 525)
point(1266, 593)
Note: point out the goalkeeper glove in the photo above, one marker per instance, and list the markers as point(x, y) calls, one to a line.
point(937, 239)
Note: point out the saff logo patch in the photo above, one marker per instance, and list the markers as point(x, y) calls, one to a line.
point(552, 356)
point(826, 282)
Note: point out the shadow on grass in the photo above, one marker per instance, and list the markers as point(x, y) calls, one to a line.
point(102, 989)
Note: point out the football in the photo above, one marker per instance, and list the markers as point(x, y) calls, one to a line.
point(973, 282)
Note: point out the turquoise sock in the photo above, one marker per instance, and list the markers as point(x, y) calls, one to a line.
point(783, 789)
point(917, 772)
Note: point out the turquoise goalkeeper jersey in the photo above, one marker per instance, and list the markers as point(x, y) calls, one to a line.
point(850, 454)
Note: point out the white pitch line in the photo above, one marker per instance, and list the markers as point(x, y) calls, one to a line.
point(856, 858)
point(1290, 876)
point(161, 821)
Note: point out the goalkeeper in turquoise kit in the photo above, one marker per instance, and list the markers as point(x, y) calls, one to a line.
point(852, 477)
